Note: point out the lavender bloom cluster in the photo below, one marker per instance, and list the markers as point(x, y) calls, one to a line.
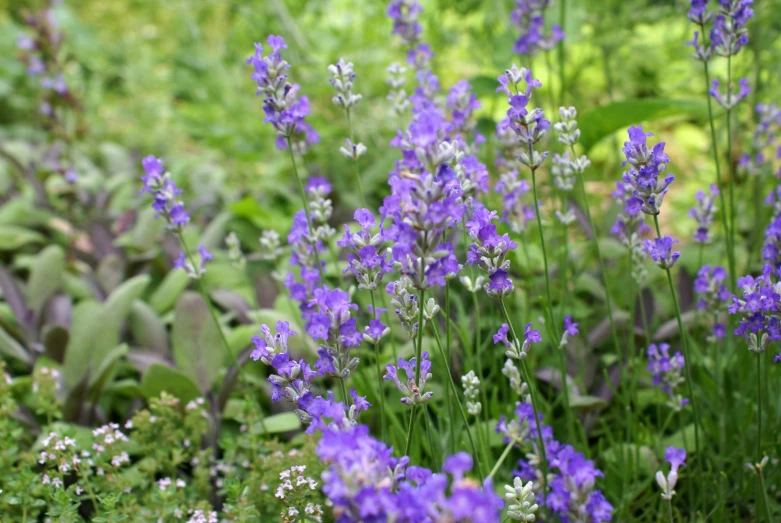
point(676, 458)
point(571, 477)
point(660, 250)
point(771, 248)
point(764, 141)
point(489, 251)
point(529, 17)
point(667, 371)
point(759, 309)
point(629, 228)
point(366, 258)
point(284, 108)
point(528, 125)
point(713, 296)
point(645, 174)
point(704, 213)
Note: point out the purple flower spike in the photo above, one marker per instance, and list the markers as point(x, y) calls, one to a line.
point(660, 251)
point(644, 176)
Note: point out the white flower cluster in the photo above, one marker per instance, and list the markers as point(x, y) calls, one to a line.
point(520, 499)
point(471, 384)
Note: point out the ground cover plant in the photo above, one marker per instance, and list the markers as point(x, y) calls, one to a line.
point(441, 270)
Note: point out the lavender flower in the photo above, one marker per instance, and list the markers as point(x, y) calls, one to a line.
point(758, 309)
point(570, 331)
point(676, 458)
point(644, 173)
point(516, 214)
point(329, 320)
point(729, 34)
point(489, 251)
point(528, 16)
point(713, 295)
point(572, 478)
point(729, 100)
point(404, 14)
point(660, 251)
point(764, 141)
point(192, 270)
point(367, 262)
point(529, 126)
point(284, 109)
point(471, 384)
point(667, 372)
point(704, 212)
point(397, 95)
point(376, 330)
point(412, 391)
point(515, 349)
point(342, 76)
point(159, 184)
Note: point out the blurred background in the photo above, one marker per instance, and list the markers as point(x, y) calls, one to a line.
point(169, 78)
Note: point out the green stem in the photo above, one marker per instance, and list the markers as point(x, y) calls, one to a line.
point(533, 395)
point(759, 407)
point(760, 475)
point(451, 413)
point(410, 430)
point(379, 376)
point(461, 411)
point(730, 163)
point(544, 253)
point(598, 249)
point(670, 510)
point(418, 353)
point(355, 160)
point(686, 355)
point(498, 464)
point(306, 207)
point(714, 148)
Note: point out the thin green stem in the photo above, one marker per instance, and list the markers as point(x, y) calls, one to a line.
point(379, 375)
point(598, 249)
point(533, 395)
point(760, 475)
point(670, 510)
point(451, 414)
point(410, 430)
point(759, 407)
point(714, 148)
point(418, 353)
point(461, 410)
point(730, 163)
point(501, 459)
point(306, 206)
point(686, 355)
point(544, 251)
point(355, 160)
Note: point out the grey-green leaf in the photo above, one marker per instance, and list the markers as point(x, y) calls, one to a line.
point(46, 276)
point(147, 328)
point(12, 348)
point(197, 345)
point(159, 378)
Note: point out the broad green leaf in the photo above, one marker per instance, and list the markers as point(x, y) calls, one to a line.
point(214, 233)
point(646, 460)
point(166, 294)
point(104, 371)
point(117, 306)
point(683, 439)
point(13, 237)
point(587, 402)
point(605, 120)
point(87, 330)
point(147, 328)
point(162, 378)
point(46, 276)
point(197, 345)
point(12, 348)
point(55, 339)
point(128, 388)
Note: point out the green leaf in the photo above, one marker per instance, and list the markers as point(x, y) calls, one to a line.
point(13, 237)
point(117, 306)
point(683, 439)
point(55, 339)
point(605, 120)
point(105, 370)
point(88, 321)
point(147, 328)
point(12, 348)
point(162, 378)
point(166, 294)
point(620, 452)
point(587, 402)
point(197, 345)
point(45, 276)
point(214, 233)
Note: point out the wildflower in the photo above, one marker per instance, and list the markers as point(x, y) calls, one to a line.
point(413, 392)
point(529, 126)
point(643, 176)
point(194, 271)
point(367, 261)
point(570, 330)
point(704, 212)
point(404, 14)
point(513, 375)
point(235, 255)
point(471, 384)
point(729, 100)
point(521, 498)
point(489, 250)
point(676, 458)
point(342, 76)
point(515, 348)
point(164, 191)
point(528, 16)
point(515, 214)
point(729, 33)
point(758, 308)
point(284, 109)
point(660, 251)
point(713, 295)
point(397, 95)
point(667, 372)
